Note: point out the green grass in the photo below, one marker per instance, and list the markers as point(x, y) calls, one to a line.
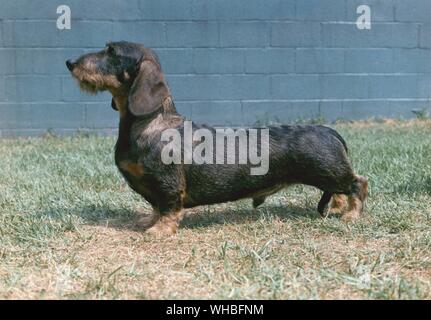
point(65, 229)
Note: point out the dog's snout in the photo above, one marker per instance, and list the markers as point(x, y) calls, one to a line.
point(70, 65)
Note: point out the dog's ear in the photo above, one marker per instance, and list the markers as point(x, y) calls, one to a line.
point(148, 90)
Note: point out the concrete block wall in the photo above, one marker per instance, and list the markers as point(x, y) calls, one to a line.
point(228, 62)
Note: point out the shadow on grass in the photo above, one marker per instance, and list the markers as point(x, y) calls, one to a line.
point(203, 217)
point(200, 217)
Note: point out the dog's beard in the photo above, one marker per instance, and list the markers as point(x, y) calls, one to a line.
point(89, 82)
point(89, 87)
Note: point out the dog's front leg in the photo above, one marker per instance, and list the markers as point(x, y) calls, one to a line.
point(162, 224)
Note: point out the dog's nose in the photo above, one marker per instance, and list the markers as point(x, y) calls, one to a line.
point(70, 65)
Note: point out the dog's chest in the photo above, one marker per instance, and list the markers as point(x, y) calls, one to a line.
point(131, 168)
point(137, 178)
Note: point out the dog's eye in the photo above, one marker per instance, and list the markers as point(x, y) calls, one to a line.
point(110, 50)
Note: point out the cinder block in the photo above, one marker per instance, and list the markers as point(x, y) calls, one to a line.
point(42, 115)
point(319, 60)
point(272, 60)
point(25, 33)
point(414, 11)
point(301, 34)
point(238, 10)
point(218, 61)
point(404, 109)
point(184, 108)
point(381, 10)
point(216, 87)
point(192, 34)
point(151, 34)
point(198, 87)
point(17, 61)
point(331, 110)
point(412, 60)
point(295, 87)
point(424, 86)
point(244, 87)
point(7, 61)
point(106, 10)
point(369, 61)
point(80, 9)
point(264, 113)
point(51, 61)
point(24, 61)
point(425, 41)
point(33, 88)
point(97, 33)
point(244, 34)
point(344, 86)
point(100, 115)
point(166, 10)
point(317, 10)
point(24, 9)
point(381, 35)
point(3, 89)
point(176, 61)
point(70, 92)
point(393, 86)
point(364, 109)
point(28, 33)
point(1, 33)
point(217, 113)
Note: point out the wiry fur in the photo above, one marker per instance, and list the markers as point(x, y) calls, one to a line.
point(311, 155)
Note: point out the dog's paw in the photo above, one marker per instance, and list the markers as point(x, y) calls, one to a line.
point(161, 229)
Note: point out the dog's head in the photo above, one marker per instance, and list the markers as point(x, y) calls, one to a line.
point(129, 71)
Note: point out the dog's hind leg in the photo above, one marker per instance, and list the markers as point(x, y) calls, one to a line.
point(356, 200)
point(326, 197)
point(337, 204)
point(258, 201)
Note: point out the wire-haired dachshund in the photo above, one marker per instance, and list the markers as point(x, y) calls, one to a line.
point(310, 155)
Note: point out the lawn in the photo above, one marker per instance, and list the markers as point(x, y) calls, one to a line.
point(66, 229)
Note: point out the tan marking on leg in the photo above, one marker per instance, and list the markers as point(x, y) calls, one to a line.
point(354, 209)
point(355, 203)
point(337, 204)
point(167, 224)
point(133, 168)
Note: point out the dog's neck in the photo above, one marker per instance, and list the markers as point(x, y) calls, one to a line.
point(121, 104)
point(167, 106)
point(167, 111)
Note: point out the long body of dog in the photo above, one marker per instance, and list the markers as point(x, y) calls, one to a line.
point(311, 155)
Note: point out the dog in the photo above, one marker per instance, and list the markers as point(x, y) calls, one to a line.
point(298, 154)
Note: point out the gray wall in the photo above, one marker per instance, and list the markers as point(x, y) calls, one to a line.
point(227, 61)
